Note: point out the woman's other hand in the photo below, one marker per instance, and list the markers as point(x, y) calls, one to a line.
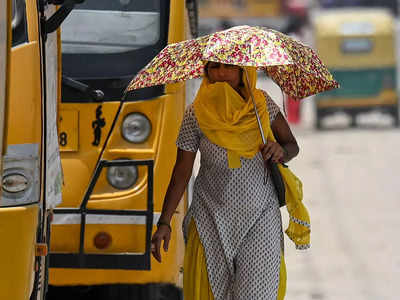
point(285, 139)
point(163, 234)
point(272, 150)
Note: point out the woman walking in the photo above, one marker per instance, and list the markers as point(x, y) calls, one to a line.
point(233, 227)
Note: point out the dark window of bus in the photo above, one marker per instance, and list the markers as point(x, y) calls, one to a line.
point(357, 45)
point(105, 43)
point(390, 4)
point(18, 24)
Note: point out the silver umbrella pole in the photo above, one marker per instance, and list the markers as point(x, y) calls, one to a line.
point(255, 108)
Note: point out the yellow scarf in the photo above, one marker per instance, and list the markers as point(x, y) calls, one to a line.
point(229, 121)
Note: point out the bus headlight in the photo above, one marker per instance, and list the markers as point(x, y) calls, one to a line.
point(122, 177)
point(136, 128)
point(15, 183)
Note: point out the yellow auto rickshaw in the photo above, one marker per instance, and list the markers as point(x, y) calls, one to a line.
point(358, 46)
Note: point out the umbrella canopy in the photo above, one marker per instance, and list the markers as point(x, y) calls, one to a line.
point(295, 67)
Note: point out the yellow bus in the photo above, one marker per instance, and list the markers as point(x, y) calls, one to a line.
point(117, 154)
point(30, 174)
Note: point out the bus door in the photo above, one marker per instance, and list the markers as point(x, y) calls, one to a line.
point(20, 193)
point(5, 17)
point(29, 157)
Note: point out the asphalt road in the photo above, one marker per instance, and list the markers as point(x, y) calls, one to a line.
point(350, 186)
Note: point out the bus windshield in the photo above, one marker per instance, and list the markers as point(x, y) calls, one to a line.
point(104, 26)
point(105, 43)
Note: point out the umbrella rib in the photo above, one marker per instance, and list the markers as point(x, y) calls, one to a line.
point(255, 108)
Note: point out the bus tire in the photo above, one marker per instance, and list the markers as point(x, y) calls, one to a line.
point(166, 292)
point(155, 291)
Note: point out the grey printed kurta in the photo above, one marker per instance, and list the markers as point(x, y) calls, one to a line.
point(237, 217)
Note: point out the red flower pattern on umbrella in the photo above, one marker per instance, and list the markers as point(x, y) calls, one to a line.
point(295, 67)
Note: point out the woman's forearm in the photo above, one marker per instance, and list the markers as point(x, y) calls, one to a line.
point(285, 138)
point(173, 196)
point(179, 180)
point(290, 151)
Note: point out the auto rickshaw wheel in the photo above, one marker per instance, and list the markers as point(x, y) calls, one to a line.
point(353, 122)
point(395, 115)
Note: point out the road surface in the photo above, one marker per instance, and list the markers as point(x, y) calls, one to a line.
point(351, 187)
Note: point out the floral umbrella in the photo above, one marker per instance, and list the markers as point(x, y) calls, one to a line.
point(295, 67)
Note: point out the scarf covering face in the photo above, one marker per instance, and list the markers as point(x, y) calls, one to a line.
point(229, 121)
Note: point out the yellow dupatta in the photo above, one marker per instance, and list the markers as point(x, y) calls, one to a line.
point(229, 121)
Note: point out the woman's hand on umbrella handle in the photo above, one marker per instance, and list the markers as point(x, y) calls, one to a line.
point(272, 150)
point(163, 234)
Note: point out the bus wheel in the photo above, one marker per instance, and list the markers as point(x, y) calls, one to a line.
point(167, 292)
point(155, 291)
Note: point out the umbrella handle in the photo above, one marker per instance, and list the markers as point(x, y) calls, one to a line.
point(255, 108)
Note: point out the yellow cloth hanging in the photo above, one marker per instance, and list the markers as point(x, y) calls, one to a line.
point(195, 276)
point(299, 227)
point(229, 121)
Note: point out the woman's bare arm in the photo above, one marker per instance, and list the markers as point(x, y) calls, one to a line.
point(286, 147)
point(285, 137)
point(179, 180)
